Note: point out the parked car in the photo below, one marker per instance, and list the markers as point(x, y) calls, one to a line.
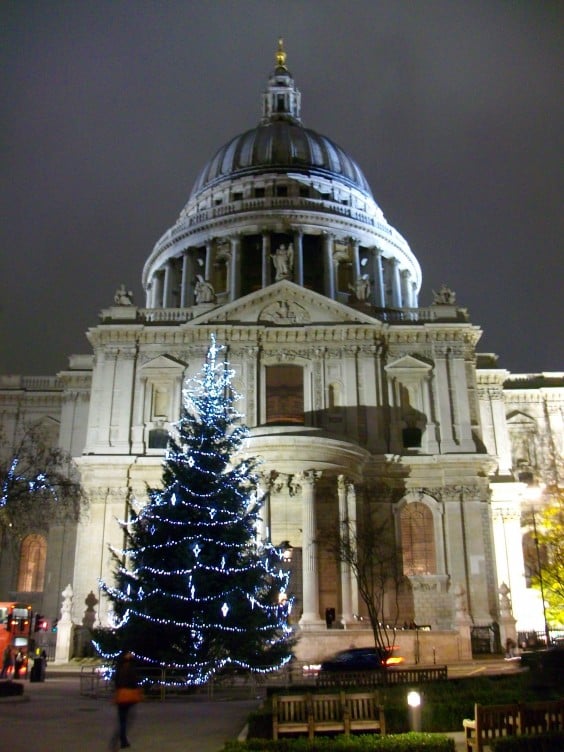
point(361, 659)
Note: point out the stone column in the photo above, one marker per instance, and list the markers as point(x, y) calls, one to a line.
point(188, 275)
point(414, 301)
point(157, 287)
point(346, 615)
point(209, 261)
point(310, 617)
point(442, 400)
point(507, 535)
point(137, 430)
point(396, 285)
point(329, 270)
point(351, 511)
point(298, 271)
point(460, 387)
point(266, 260)
point(263, 523)
point(429, 443)
point(378, 289)
point(405, 296)
point(355, 244)
point(168, 283)
point(235, 268)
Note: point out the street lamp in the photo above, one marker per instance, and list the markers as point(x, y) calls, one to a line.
point(414, 703)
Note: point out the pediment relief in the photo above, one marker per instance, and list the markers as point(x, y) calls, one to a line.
point(163, 363)
point(408, 365)
point(284, 313)
point(284, 304)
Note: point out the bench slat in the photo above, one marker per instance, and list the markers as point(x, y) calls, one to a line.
point(493, 721)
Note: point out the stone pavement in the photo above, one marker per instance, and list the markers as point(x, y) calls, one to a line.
point(55, 717)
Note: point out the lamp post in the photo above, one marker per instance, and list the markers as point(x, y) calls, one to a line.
point(414, 703)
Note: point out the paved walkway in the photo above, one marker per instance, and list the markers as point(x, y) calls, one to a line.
point(55, 717)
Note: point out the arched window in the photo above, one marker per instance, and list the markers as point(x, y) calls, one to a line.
point(33, 554)
point(284, 394)
point(418, 539)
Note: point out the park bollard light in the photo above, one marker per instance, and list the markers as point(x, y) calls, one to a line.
point(414, 703)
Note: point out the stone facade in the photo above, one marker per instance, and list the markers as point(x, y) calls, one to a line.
point(347, 386)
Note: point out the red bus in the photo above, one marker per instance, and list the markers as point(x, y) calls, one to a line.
point(15, 632)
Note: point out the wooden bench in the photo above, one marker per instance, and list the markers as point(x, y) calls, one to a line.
point(328, 713)
point(390, 676)
point(363, 712)
point(492, 721)
point(340, 712)
point(291, 714)
point(541, 717)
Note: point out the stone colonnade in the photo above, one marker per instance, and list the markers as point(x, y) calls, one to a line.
point(172, 285)
point(303, 485)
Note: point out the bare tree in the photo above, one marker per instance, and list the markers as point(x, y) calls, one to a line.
point(39, 486)
point(368, 547)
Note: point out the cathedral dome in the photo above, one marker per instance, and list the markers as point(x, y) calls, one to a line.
point(280, 145)
point(281, 187)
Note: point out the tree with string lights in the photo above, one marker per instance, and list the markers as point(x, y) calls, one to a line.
point(195, 590)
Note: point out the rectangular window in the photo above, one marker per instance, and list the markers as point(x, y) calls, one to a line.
point(285, 395)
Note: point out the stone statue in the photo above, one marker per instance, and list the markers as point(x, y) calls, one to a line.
point(283, 260)
point(67, 604)
point(361, 288)
point(203, 290)
point(123, 297)
point(445, 296)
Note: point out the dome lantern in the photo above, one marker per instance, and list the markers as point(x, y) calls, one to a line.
point(282, 99)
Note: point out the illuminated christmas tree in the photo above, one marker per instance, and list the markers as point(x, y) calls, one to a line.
point(195, 590)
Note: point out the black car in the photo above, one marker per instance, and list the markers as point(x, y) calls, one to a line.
point(358, 659)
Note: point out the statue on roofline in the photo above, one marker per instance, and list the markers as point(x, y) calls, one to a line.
point(445, 296)
point(123, 297)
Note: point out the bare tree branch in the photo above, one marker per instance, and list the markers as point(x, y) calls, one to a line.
point(368, 546)
point(39, 486)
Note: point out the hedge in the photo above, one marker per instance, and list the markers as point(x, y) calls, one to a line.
point(412, 742)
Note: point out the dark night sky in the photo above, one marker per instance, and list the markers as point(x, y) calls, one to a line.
point(453, 110)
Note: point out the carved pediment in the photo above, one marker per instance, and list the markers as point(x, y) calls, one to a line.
point(163, 364)
point(517, 419)
point(408, 365)
point(284, 304)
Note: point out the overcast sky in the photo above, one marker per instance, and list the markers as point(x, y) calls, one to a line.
point(453, 110)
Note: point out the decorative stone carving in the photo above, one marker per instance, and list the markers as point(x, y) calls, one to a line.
point(504, 600)
point(89, 617)
point(66, 606)
point(283, 260)
point(445, 296)
point(123, 297)
point(361, 288)
point(284, 313)
point(203, 291)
